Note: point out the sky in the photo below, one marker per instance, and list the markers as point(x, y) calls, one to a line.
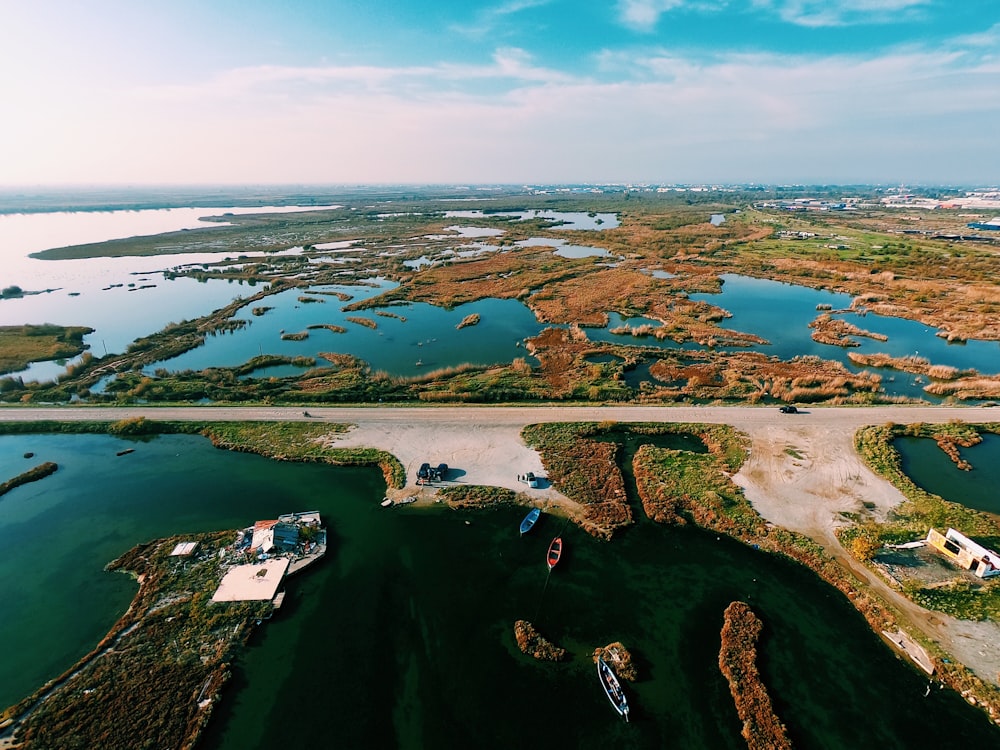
point(515, 92)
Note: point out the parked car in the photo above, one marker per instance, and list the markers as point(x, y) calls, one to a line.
point(424, 472)
point(441, 471)
point(529, 479)
point(788, 409)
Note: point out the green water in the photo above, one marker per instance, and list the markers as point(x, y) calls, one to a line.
point(403, 637)
point(928, 466)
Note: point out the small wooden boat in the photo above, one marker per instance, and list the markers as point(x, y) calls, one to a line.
point(612, 688)
point(529, 520)
point(555, 552)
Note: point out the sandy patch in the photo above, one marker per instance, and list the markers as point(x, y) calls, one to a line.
point(477, 453)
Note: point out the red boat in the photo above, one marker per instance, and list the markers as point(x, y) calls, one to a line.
point(555, 552)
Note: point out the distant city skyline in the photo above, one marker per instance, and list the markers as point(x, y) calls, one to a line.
point(511, 92)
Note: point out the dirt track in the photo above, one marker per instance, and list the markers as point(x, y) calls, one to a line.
point(801, 472)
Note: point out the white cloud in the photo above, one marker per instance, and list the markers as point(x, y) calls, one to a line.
point(488, 19)
point(643, 15)
point(817, 13)
point(655, 114)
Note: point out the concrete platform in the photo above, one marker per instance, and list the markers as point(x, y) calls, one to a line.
point(258, 582)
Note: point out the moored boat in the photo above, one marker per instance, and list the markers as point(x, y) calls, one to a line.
point(555, 552)
point(612, 688)
point(529, 520)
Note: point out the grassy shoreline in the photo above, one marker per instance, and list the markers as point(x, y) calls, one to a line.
point(679, 487)
point(674, 486)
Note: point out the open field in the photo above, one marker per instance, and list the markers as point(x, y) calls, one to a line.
point(20, 345)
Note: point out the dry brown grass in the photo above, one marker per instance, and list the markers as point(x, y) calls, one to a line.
point(753, 376)
point(911, 364)
point(968, 388)
point(328, 326)
point(762, 729)
point(557, 349)
point(838, 332)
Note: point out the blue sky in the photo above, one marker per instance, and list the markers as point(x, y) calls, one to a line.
point(517, 91)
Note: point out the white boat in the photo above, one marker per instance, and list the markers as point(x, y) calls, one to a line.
point(612, 688)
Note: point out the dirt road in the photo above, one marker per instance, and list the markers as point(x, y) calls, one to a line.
point(801, 471)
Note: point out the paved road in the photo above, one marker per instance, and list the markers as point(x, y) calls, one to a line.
point(739, 416)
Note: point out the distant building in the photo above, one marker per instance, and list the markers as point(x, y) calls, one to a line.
point(993, 224)
point(965, 553)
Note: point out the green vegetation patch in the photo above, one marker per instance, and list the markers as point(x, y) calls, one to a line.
point(477, 496)
point(922, 511)
point(151, 681)
point(581, 461)
point(22, 345)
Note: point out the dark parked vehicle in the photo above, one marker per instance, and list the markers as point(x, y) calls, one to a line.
point(788, 410)
point(428, 473)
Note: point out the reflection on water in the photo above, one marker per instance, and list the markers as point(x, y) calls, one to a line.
point(564, 249)
point(928, 466)
point(395, 644)
point(413, 340)
point(565, 219)
point(121, 298)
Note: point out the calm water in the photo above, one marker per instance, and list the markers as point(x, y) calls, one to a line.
point(568, 219)
point(106, 293)
point(927, 465)
point(781, 313)
point(428, 339)
point(403, 637)
point(563, 249)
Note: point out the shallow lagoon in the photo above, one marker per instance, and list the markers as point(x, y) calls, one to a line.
point(781, 313)
point(563, 219)
point(121, 298)
point(426, 340)
point(403, 636)
point(928, 466)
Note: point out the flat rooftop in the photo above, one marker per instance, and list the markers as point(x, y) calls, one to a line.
point(258, 582)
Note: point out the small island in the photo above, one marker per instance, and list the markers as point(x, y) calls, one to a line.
point(31, 475)
point(156, 676)
point(762, 729)
point(22, 345)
